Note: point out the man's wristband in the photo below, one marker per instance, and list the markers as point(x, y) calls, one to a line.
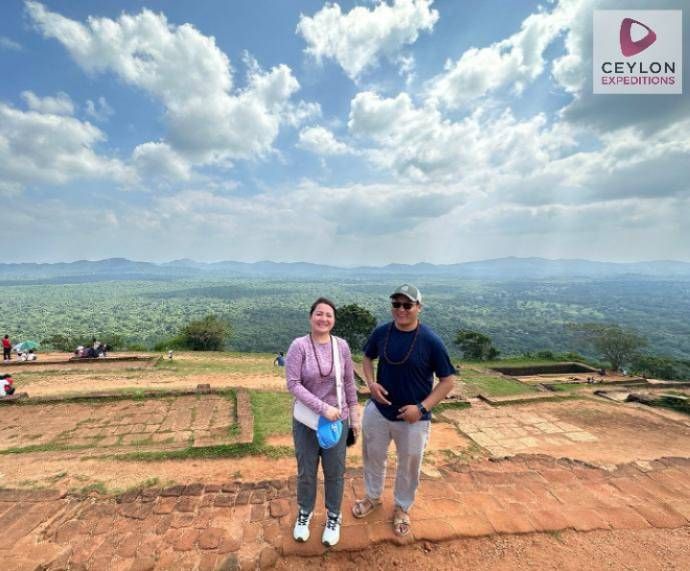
point(422, 408)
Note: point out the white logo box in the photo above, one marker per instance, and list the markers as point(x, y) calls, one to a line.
point(657, 69)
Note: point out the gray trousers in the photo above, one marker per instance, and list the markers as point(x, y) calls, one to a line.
point(308, 452)
point(410, 441)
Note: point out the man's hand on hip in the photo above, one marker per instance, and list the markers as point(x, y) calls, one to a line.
point(410, 413)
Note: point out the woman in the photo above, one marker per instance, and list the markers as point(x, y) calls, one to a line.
point(310, 374)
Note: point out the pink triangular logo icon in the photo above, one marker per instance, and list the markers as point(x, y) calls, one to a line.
point(628, 46)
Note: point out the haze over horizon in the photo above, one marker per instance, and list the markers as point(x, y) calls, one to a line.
point(358, 133)
point(495, 261)
point(297, 261)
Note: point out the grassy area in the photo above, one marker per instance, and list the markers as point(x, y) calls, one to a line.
point(47, 447)
point(674, 404)
point(237, 363)
point(272, 414)
point(524, 362)
point(494, 385)
point(569, 387)
point(209, 452)
point(510, 362)
point(127, 393)
point(452, 405)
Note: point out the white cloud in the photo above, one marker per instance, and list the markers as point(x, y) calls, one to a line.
point(407, 69)
point(606, 176)
point(321, 141)
point(359, 38)
point(313, 219)
point(296, 115)
point(9, 44)
point(207, 121)
point(629, 229)
point(9, 189)
point(53, 149)
point(418, 143)
point(380, 209)
point(627, 165)
point(513, 62)
point(159, 161)
point(100, 111)
point(61, 104)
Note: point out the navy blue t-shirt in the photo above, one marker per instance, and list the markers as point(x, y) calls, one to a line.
point(412, 381)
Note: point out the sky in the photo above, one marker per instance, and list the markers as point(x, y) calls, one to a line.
point(349, 133)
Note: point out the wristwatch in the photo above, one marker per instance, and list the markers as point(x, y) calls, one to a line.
point(421, 408)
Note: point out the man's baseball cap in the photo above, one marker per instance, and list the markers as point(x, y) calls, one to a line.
point(409, 291)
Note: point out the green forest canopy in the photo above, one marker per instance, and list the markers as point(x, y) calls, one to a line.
point(266, 314)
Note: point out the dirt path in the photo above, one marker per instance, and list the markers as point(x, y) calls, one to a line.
point(629, 511)
point(624, 550)
point(495, 514)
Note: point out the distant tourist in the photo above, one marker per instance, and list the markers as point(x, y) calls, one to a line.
point(170, 354)
point(86, 352)
point(403, 394)
point(6, 385)
point(6, 348)
point(279, 360)
point(30, 355)
point(312, 366)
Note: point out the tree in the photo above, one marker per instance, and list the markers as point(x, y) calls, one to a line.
point(115, 342)
point(59, 342)
point(354, 324)
point(206, 334)
point(660, 367)
point(615, 344)
point(475, 346)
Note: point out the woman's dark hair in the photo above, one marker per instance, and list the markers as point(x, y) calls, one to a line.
point(323, 300)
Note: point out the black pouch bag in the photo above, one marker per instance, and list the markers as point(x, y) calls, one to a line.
point(351, 438)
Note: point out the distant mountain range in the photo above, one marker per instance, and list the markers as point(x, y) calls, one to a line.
point(498, 269)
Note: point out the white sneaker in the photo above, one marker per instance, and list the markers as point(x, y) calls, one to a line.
point(301, 531)
point(331, 533)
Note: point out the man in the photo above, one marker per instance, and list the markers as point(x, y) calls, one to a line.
point(409, 354)
point(6, 348)
point(279, 360)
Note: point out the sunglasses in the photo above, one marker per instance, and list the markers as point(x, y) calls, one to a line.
point(407, 305)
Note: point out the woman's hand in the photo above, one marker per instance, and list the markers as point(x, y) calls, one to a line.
point(355, 419)
point(332, 413)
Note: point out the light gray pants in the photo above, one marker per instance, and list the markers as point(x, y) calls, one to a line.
point(410, 441)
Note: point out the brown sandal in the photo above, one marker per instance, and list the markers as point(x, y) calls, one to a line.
point(362, 508)
point(401, 522)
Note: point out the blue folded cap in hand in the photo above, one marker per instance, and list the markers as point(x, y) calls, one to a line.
point(329, 432)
